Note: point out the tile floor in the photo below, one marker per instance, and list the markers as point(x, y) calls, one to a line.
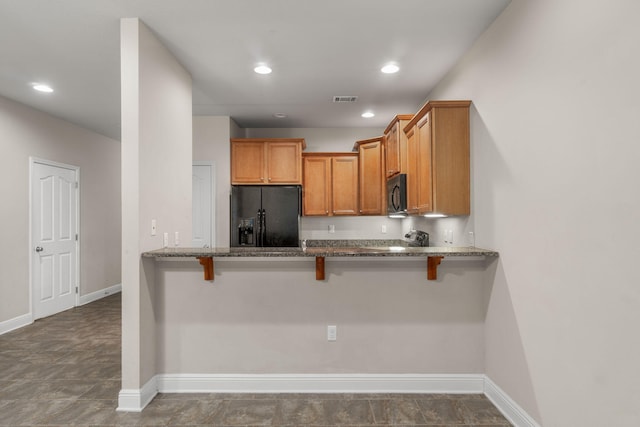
point(65, 370)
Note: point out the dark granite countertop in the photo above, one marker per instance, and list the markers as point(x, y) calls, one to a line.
point(326, 248)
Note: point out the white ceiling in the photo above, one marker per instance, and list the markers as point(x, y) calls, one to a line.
point(317, 49)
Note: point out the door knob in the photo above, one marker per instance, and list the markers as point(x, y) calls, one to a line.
point(39, 249)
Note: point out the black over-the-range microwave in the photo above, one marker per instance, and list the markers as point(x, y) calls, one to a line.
point(397, 196)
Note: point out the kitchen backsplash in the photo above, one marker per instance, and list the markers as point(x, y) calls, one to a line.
point(452, 231)
point(357, 227)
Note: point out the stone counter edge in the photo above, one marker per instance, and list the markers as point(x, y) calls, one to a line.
point(318, 252)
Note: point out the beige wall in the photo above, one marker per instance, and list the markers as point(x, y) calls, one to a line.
point(320, 139)
point(271, 317)
point(28, 132)
point(156, 182)
point(211, 136)
point(554, 129)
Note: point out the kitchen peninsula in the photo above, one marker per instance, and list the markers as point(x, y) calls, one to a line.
point(320, 250)
point(262, 323)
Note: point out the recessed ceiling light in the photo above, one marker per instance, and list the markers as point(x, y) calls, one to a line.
point(280, 116)
point(42, 88)
point(262, 69)
point(368, 114)
point(390, 69)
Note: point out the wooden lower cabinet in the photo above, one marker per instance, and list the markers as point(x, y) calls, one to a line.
point(330, 184)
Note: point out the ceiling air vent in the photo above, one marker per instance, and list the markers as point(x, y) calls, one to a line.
point(345, 98)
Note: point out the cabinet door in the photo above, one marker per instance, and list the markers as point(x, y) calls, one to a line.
point(345, 185)
point(372, 178)
point(450, 160)
point(425, 193)
point(317, 185)
point(247, 162)
point(412, 170)
point(284, 165)
point(392, 150)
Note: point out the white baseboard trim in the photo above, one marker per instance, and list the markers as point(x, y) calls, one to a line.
point(95, 296)
point(510, 409)
point(15, 323)
point(132, 400)
point(136, 400)
point(320, 383)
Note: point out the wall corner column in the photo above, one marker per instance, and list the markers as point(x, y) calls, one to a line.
point(156, 109)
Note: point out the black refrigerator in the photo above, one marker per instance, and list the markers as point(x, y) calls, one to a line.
point(267, 216)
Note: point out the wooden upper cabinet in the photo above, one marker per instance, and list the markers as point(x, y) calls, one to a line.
point(247, 162)
point(395, 145)
point(412, 170)
point(372, 177)
point(284, 162)
point(425, 189)
point(330, 184)
point(266, 161)
point(316, 199)
point(344, 185)
point(438, 138)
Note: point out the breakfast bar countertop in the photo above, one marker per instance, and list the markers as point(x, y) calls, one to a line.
point(318, 249)
point(321, 249)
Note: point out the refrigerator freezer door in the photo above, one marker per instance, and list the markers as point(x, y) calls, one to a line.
point(281, 206)
point(245, 205)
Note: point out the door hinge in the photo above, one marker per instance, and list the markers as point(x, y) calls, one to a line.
point(76, 289)
point(77, 185)
point(76, 237)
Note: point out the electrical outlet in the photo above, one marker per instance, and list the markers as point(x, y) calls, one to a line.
point(383, 229)
point(471, 239)
point(176, 238)
point(154, 229)
point(448, 236)
point(332, 228)
point(332, 333)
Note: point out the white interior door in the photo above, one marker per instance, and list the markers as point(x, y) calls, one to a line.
point(203, 205)
point(54, 198)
